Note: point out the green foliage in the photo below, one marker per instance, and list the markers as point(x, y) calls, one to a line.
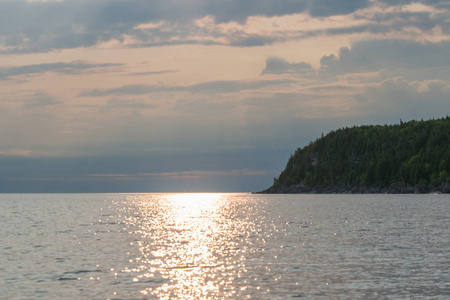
point(415, 153)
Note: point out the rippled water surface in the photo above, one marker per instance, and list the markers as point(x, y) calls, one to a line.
point(224, 246)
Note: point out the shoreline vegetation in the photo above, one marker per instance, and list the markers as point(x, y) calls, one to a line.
point(407, 158)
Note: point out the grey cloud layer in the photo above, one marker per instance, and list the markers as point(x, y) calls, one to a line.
point(375, 55)
point(44, 26)
point(391, 56)
point(379, 79)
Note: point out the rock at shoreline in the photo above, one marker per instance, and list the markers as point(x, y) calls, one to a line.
point(304, 189)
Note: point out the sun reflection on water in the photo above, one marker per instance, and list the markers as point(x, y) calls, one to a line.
point(188, 247)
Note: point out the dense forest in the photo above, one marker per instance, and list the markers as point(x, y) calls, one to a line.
point(409, 154)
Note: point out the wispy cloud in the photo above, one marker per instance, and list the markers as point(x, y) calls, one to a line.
point(37, 100)
point(152, 73)
point(71, 68)
point(90, 177)
point(162, 175)
point(112, 176)
point(17, 152)
point(199, 174)
point(182, 174)
point(224, 86)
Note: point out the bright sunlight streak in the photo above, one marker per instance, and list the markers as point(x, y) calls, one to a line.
point(194, 226)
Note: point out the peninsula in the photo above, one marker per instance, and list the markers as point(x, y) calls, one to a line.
point(410, 157)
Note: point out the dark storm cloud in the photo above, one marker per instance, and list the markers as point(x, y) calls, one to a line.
point(62, 68)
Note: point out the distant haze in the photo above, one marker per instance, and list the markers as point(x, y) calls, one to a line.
point(171, 95)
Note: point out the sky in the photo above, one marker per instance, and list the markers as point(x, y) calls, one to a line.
point(200, 96)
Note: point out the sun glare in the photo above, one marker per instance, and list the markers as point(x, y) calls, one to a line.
point(193, 202)
point(184, 239)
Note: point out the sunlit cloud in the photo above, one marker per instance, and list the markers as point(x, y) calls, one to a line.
point(253, 23)
point(17, 152)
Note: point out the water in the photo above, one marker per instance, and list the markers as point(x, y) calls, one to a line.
point(224, 246)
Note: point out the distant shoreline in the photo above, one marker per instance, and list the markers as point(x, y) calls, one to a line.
point(304, 189)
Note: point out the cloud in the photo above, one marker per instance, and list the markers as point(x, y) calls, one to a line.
point(199, 174)
point(37, 100)
point(71, 68)
point(130, 104)
point(152, 73)
point(398, 97)
point(277, 65)
point(349, 86)
point(370, 61)
point(418, 20)
point(112, 176)
point(160, 175)
point(326, 8)
point(206, 173)
point(18, 152)
point(366, 56)
point(230, 86)
point(428, 2)
point(45, 26)
point(223, 86)
point(124, 90)
point(252, 40)
point(373, 79)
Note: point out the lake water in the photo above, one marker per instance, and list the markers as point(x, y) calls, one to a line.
point(224, 246)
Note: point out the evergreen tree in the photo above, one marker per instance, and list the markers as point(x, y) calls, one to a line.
point(414, 153)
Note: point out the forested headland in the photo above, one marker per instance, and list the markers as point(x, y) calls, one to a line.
point(410, 157)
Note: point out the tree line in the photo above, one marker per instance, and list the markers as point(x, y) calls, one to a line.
point(414, 153)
